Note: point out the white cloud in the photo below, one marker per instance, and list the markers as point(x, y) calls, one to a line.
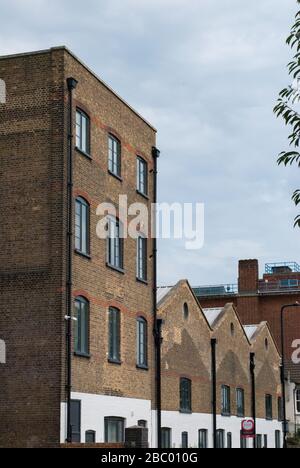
point(206, 73)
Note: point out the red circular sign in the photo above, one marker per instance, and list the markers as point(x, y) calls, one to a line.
point(248, 426)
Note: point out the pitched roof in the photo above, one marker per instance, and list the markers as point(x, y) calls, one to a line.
point(255, 331)
point(251, 330)
point(162, 292)
point(213, 314)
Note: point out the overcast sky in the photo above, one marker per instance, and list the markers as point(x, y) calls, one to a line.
point(206, 73)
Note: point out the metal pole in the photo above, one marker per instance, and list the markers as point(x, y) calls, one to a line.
point(283, 377)
point(72, 83)
point(158, 381)
point(157, 322)
point(214, 389)
point(285, 422)
point(253, 390)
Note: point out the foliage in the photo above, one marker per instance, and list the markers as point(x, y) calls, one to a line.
point(294, 441)
point(288, 100)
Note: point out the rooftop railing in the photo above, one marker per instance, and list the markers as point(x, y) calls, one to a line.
point(218, 290)
point(284, 285)
point(263, 287)
point(282, 268)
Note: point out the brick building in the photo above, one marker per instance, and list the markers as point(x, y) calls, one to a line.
point(78, 311)
point(260, 299)
point(187, 375)
point(110, 281)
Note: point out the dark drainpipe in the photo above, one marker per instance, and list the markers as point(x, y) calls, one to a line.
point(72, 83)
point(253, 393)
point(157, 322)
point(158, 340)
point(214, 388)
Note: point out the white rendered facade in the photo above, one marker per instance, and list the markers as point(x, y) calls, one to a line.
point(293, 407)
point(95, 408)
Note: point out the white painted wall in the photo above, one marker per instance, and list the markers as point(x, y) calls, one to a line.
point(292, 415)
point(94, 408)
point(191, 423)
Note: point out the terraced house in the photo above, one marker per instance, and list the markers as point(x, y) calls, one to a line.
point(260, 298)
point(77, 312)
point(216, 373)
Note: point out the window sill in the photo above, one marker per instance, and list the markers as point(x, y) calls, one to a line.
point(144, 195)
point(114, 268)
point(82, 355)
point(226, 415)
point(240, 416)
point(82, 254)
point(140, 367)
point(116, 176)
point(140, 280)
point(83, 153)
point(269, 419)
point(115, 362)
point(182, 411)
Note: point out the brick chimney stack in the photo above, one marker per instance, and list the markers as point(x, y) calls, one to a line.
point(248, 276)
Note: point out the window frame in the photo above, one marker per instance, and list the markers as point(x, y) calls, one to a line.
point(142, 177)
point(114, 156)
point(278, 439)
point(117, 420)
point(226, 406)
point(185, 395)
point(184, 440)
point(289, 283)
point(269, 407)
point(142, 331)
point(114, 335)
point(90, 432)
point(82, 202)
point(280, 409)
point(297, 400)
point(86, 147)
point(203, 437)
point(240, 410)
point(243, 442)
point(76, 436)
point(186, 311)
point(115, 245)
point(259, 441)
point(143, 423)
point(229, 440)
point(166, 432)
point(142, 258)
point(220, 436)
point(81, 350)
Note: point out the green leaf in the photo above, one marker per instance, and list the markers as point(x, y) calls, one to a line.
point(297, 222)
point(296, 197)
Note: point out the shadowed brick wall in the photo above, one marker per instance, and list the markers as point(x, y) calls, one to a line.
point(33, 155)
point(31, 236)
